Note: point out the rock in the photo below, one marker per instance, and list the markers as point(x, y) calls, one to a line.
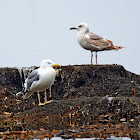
point(10, 80)
point(84, 96)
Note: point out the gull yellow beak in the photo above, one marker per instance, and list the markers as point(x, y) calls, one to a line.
point(56, 66)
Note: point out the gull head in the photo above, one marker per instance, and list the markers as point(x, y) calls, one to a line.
point(82, 27)
point(48, 64)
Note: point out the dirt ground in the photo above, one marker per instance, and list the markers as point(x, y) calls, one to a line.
point(88, 101)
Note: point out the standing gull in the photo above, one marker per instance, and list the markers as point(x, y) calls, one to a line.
point(40, 79)
point(93, 42)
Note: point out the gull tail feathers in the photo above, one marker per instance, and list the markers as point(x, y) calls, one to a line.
point(118, 47)
point(114, 46)
point(27, 95)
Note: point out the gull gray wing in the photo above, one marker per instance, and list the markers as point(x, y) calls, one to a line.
point(99, 41)
point(33, 76)
point(94, 36)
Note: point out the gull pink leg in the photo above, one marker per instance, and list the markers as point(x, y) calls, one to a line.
point(91, 57)
point(96, 58)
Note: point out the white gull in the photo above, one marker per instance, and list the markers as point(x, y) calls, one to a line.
point(40, 79)
point(93, 42)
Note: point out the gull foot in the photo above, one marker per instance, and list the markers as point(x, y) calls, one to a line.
point(41, 104)
point(47, 102)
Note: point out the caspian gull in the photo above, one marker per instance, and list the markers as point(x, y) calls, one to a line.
point(93, 42)
point(40, 79)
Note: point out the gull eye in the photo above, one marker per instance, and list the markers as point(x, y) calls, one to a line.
point(80, 26)
point(49, 63)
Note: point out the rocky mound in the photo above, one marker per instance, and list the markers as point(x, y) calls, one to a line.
point(86, 97)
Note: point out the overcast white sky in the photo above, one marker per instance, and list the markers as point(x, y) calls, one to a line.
point(32, 30)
